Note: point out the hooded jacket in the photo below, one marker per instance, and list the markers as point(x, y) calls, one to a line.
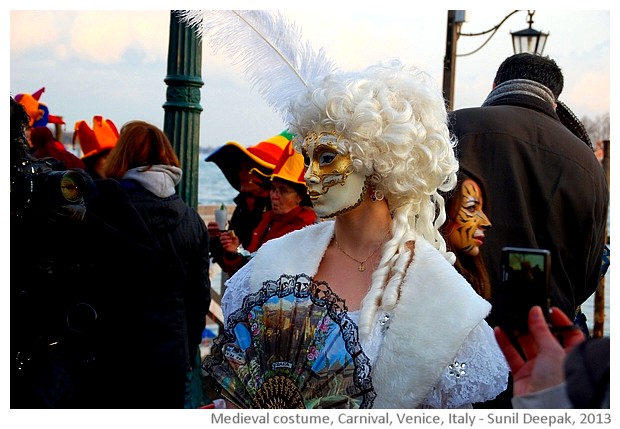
point(178, 304)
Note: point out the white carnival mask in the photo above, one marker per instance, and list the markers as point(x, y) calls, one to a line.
point(333, 184)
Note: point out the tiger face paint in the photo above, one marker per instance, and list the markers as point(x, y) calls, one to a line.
point(465, 230)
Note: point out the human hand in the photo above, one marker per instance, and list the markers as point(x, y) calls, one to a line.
point(545, 355)
point(67, 213)
point(213, 229)
point(74, 212)
point(229, 241)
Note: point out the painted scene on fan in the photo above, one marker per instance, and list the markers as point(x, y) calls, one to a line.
point(293, 352)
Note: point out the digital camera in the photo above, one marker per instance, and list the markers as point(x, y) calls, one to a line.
point(40, 183)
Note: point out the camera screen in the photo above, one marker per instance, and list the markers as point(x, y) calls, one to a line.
point(524, 285)
point(527, 267)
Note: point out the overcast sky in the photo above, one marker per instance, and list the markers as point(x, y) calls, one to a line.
point(113, 63)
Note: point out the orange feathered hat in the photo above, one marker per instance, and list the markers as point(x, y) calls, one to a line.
point(102, 136)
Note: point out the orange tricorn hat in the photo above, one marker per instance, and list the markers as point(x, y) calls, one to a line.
point(102, 136)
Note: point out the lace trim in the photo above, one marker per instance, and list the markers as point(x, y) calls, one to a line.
point(479, 373)
point(303, 286)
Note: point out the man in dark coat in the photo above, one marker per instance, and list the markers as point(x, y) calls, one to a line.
point(546, 188)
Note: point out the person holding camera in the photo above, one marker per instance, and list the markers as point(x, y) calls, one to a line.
point(82, 262)
point(561, 368)
point(52, 315)
point(94, 291)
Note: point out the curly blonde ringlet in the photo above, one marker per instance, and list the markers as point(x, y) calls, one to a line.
point(392, 121)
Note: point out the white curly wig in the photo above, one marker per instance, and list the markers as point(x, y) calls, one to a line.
point(392, 120)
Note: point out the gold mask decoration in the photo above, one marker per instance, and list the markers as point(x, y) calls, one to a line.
point(327, 167)
point(327, 163)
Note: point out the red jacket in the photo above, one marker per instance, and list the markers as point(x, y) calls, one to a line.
point(271, 226)
point(44, 145)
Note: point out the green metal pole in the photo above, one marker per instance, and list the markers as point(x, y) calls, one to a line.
point(182, 107)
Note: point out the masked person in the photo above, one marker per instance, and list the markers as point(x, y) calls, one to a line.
point(378, 151)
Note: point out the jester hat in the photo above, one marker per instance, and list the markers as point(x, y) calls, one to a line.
point(290, 167)
point(101, 137)
point(37, 111)
point(265, 155)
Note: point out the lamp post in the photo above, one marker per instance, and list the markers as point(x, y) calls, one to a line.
point(528, 40)
point(455, 20)
point(182, 107)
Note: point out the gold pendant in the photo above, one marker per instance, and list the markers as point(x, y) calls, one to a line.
point(361, 267)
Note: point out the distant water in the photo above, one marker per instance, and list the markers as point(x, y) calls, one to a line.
point(213, 188)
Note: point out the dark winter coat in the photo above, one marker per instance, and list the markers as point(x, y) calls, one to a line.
point(180, 301)
point(79, 335)
point(588, 374)
point(546, 190)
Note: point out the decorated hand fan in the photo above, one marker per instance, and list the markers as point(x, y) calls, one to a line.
point(291, 345)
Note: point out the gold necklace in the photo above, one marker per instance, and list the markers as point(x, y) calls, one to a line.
point(361, 267)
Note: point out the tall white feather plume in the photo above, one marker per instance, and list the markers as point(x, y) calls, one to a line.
point(266, 46)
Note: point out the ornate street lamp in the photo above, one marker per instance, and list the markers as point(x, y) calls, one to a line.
point(529, 40)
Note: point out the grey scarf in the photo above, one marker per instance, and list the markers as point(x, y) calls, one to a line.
point(523, 87)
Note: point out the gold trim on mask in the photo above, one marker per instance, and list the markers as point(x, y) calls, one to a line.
point(338, 171)
point(357, 203)
point(324, 137)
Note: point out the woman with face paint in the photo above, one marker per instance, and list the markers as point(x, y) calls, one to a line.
point(465, 231)
point(378, 152)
